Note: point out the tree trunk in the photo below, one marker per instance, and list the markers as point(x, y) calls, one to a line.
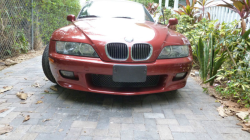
point(243, 26)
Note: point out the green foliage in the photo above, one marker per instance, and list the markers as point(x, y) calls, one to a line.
point(221, 53)
point(210, 61)
point(50, 15)
point(189, 9)
point(16, 22)
point(202, 54)
point(224, 33)
point(236, 83)
point(145, 2)
point(204, 3)
point(236, 78)
point(13, 37)
point(205, 90)
point(167, 15)
point(242, 7)
point(215, 63)
point(21, 44)
point(171, 3)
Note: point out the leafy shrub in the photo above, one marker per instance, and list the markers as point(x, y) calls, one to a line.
point(223, 33)
point(220, 51)
point(21, 44)
point(236, 77)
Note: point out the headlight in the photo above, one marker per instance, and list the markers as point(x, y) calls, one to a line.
point(73, 48)
point(174, 52)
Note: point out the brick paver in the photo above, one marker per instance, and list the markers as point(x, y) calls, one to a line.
point(185, 114)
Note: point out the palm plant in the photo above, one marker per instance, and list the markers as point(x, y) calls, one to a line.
point(242, 7)
point(189, 10)
point(204, 3)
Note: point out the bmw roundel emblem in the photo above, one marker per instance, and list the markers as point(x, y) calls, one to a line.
point(129, 39)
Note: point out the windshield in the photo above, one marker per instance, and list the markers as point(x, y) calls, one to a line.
point(115, 9)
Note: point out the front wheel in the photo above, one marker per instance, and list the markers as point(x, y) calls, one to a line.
point(45, 65)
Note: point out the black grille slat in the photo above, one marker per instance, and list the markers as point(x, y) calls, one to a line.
point(107, 81)
point(117, 51)
point(141, 51)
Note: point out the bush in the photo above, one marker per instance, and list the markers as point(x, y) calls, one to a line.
point(233, 76)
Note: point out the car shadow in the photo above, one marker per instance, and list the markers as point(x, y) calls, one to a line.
point(97, 99)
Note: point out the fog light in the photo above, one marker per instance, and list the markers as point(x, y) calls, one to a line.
point(179, 76)
point(67, 74)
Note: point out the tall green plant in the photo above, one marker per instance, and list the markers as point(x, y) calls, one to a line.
point(202, 55)
point(216, 60)
point(210, 60)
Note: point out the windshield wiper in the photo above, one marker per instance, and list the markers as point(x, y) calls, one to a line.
point(124, 17)
point(88, 16)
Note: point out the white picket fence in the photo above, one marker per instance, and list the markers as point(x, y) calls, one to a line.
point(224, 14)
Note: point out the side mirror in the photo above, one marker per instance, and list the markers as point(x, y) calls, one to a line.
point(71, 18)
point(172, 21)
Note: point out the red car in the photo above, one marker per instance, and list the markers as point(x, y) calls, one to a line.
point(115, 47)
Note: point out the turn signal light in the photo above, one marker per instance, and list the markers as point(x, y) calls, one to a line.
point(67, 74)
point(180, 76)
point(51, 60)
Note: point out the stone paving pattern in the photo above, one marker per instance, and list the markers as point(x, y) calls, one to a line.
point(187, 113)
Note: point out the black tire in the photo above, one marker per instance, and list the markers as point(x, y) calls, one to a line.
point(45, 64)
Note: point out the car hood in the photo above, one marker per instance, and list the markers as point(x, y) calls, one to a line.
point(117, 29)
point(102, 31)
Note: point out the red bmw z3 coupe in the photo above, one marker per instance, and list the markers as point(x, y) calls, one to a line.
point(115, 47)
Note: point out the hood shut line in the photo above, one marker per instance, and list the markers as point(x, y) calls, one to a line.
point(83, 33)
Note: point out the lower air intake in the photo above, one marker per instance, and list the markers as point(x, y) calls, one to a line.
point(106, 81)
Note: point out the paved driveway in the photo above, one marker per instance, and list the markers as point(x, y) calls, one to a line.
point(184, 114)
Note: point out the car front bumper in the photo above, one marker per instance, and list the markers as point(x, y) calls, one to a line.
point(84, 67)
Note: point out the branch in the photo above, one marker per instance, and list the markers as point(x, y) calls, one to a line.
point(231, 56)
point(2, 28)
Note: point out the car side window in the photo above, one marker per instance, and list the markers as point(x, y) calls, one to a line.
point(84, 10)
point(148, 17)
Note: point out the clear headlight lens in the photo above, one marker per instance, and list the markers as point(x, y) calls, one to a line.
point(174, 52)
point(73, 48)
